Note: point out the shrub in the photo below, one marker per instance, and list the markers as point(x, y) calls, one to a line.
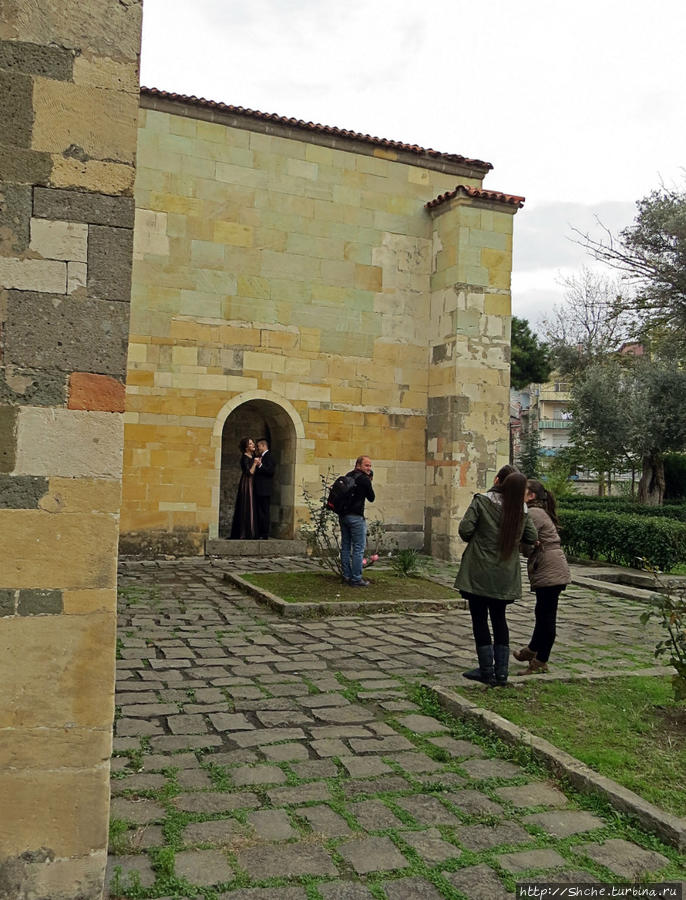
point(622, 538)
point(623, 505)
point(407, 563)
point(668, 607)
point(675, 476)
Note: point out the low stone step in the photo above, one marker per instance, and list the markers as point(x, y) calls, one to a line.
point(255, 548)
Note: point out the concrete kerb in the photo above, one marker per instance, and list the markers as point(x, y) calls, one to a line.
point(344, 608)
point(669, 828)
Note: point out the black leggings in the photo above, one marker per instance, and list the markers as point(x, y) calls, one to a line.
point(543, 638)
point(480, 609)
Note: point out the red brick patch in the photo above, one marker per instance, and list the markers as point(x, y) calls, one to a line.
point(95, 392)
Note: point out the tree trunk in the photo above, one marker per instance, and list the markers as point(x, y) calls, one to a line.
point(651, 487)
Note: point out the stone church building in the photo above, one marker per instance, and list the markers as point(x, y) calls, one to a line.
point(336, 292)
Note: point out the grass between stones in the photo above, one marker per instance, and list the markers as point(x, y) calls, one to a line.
point(628, 729)
point(326, 587)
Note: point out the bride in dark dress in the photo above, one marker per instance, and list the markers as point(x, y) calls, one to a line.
point(244, 525)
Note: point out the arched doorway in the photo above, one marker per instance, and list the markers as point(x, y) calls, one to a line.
point(256, 417)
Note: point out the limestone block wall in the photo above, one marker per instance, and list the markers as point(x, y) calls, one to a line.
point(290, 271)
point(68, 108)
point(469, 374)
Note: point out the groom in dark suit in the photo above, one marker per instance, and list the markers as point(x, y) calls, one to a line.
point(263, 483)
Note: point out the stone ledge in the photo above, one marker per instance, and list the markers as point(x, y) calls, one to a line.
point(668, 827)
point(270, 548)
point(344, 608)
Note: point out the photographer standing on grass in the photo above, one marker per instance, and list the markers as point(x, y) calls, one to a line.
point(353, 524)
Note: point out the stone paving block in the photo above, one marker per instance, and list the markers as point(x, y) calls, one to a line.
point(136, 783)
point(329, 747)
point(315, 701)
point(218, 831)
point(285, 752)
point(427, 810)
point(531, 859)
point(364, 766)
point(483, 837)
point(248, 775)
point(272, 824)
point(478, 883)
point(380, 745)
point(140, 812)
point(343, 715)
point(323, 820)
point(286, 861)
point(562, 823)
point(203, 867)
point(474, 803)
point(443, 779)
point(230, 722)
point(322, 732)
point(411, 889)
point(193, 779)
point(623, 857)
point(284, 717)
point(416, 762)
point(262, 736)
point(537, 793)
point(145, 837)
point(315, 768)
point(279, 893)
point(429, 844)
point(138, 728)
point(374, 815)
point(215, 802)
point(383, 784)
point(372, 854)
point(490, 768)
point(187, 724)
point(302, 793)
point(122, 870)
point(399, 705)
point(290, 690)
point(456, 748)
point(421, 724)
point(344, 890)
point(231, 758)
point(171, 742)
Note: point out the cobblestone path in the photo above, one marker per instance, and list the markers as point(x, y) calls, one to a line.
point(272, 760)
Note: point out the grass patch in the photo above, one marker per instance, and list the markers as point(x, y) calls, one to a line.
point(325, 587)
point(626, 728)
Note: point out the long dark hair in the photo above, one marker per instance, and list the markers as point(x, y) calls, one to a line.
point(513, 490)
point(243, 445)
point(544, 499)
point(504, 472)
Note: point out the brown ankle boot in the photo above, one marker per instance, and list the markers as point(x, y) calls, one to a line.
point(535, 667)
point(524, 655)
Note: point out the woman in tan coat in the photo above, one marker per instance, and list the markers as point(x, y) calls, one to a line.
point(548, 577)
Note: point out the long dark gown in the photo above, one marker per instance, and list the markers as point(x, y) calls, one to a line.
point(244, 526)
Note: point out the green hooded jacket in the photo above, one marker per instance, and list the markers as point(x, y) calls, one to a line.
point(482, 572)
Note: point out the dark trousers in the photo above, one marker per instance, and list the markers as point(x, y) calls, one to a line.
point(262, 510)
point(543, 638)
point(480, 609)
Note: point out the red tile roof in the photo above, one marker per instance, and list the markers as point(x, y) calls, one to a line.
point(318, 129)
point(477, 194)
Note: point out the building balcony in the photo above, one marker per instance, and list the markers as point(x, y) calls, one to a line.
point(554, 423)
point(560, 396)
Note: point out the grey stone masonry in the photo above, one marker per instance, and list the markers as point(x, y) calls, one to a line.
point(75, 206)
point(39, 602)
point(36, 59)
point(22, 491)
point(109, 262)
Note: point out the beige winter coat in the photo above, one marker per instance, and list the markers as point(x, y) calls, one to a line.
point(547, 564)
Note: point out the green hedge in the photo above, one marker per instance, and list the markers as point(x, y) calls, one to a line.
point(621, 505)
point(621, 538)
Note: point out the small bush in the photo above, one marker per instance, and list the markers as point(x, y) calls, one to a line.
point(668, 607)
point(407, 563)
point(623, 505)
point(622, 539)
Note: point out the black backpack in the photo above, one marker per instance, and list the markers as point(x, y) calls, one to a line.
point(342, 494)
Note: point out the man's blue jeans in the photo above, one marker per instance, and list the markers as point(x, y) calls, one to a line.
point(353, 539)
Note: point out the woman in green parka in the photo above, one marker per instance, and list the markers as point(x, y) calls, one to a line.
point(490, 576)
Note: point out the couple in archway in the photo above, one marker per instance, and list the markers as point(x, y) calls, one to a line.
point(251, 512)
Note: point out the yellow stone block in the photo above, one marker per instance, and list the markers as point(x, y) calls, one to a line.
point(80, 603)
point(48, 748)
point(310, 339)
point(263, 362)
point(43, 550)
point(73, 495)
point(233, 233)
point(281, 340)
point(497, 305)
point(92, 175)
point(185, 356)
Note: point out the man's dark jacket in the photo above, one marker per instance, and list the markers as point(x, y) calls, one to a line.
point(263, 479)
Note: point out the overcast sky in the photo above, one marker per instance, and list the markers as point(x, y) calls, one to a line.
point(581, 107)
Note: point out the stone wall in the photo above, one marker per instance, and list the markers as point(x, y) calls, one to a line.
point(68, 107)
point(277, 265)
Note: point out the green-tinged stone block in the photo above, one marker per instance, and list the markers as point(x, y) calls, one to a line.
point(39, 602)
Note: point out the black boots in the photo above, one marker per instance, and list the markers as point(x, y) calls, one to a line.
point(486, 671)
point(501, 656)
